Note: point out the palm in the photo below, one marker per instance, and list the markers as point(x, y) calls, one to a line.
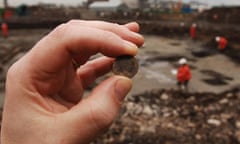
point(64, 90)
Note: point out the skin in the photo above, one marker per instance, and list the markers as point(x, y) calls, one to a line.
point(44, 92)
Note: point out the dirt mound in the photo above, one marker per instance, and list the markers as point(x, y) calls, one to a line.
point(225, 15)
point(168, 116)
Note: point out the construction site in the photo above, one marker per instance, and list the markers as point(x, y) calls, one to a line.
point(156, 111)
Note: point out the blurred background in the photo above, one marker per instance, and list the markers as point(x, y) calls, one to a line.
point(204, 32)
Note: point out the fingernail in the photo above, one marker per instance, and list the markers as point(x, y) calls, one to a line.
point(122, 87)
point(140, 39)
point(132, 48)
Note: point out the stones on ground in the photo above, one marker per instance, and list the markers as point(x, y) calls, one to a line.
point(223, 101)
point(238, 124)
point(191, 99)
point(229, 95)
point(237, 135)
point(225, 117)
point(198, 136)
point(199, 116)
point(164, 96)
point(214, 122)
point(125, 66)
point(147, 111)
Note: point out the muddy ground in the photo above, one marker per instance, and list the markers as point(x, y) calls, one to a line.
point(170, 117)
point(155, 111)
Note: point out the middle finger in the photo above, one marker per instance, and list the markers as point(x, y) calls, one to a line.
point(93, 69)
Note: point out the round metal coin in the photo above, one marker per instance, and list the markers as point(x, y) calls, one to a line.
point(126, 66)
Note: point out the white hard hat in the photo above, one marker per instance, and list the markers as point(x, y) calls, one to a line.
point(194, 25)
point(217, 38)
point(182, 24)
point(182, 61)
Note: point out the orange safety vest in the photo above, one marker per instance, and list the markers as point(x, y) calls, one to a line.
point(184, 73)
point(4, 29)
point(193, 32)
point(222, 44)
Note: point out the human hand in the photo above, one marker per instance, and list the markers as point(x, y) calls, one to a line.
point(44, 103)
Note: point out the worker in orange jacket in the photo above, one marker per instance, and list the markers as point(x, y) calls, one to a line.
point(4, 27)
point(222, 43)
point(183, 74)
point(193, 32)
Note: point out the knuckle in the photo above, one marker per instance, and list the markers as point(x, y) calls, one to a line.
point(111, 37)
point(74, 21)
point(60, 30)
point(11, 72)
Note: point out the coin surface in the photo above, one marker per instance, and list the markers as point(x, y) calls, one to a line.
point(126, 66)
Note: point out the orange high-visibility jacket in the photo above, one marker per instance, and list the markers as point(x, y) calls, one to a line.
point(4, 29)
point(184, 73)
point(193, 32)
point(222, 43)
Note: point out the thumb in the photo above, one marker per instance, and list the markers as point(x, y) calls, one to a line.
point(106, 99)
point(96, 113)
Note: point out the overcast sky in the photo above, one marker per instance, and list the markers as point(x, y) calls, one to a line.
point(77, 2)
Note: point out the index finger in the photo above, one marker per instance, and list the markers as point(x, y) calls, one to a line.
point(127, 31)
point(78, 42)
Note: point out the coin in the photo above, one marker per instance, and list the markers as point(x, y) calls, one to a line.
point(125, 66)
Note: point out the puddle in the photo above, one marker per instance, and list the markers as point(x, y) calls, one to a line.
point(234, 54)
point(215, 82)
point(175, 44)
point(217, 79)
point(152, 52)
point(216, 75)
point(202, 52)
point(172, 58)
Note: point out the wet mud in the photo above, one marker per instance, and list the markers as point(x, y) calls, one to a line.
point(232, 51)
point(209, 46)
point(216, 74)
point(160, 115)
point(201, 52)
point(216, 78)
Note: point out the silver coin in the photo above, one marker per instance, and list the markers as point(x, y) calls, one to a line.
point(125, 66)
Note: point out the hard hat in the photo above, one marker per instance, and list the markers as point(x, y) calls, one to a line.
point(182, 24)
point(217, 38)
point(182, 61)
point(194, 25)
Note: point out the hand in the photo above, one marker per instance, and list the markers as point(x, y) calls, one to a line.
point(44, 92)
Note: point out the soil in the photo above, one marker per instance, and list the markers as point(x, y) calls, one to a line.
point(155, 111)
point(170, 117)
point(226, 15)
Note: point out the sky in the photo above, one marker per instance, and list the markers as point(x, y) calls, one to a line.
point(218, 2)
point(77, 2)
